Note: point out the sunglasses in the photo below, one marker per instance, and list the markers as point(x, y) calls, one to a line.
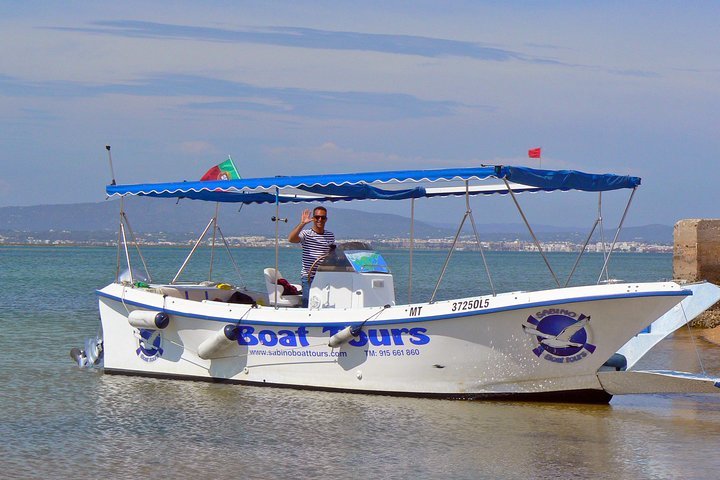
point(320, 217)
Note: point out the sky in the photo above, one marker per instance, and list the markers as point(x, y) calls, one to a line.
point(288, 87)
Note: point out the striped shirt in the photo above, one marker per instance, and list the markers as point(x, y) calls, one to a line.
point(314, 246)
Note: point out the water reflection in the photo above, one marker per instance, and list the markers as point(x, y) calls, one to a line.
point(103, 425)
point(228, 430)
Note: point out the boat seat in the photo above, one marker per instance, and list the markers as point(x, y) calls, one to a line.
point(195, 292)
point(282, 300)
point(168, 291)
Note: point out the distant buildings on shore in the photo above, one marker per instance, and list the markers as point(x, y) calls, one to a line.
point(464, 243)
point(523, 245)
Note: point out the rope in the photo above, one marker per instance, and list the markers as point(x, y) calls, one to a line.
point(122, 299)
point(692, 338)
point(376, 314)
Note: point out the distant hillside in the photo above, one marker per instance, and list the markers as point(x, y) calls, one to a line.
point(169, 216)
point(190, 217)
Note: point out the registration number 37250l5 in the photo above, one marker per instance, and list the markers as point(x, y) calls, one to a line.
point(476, 304)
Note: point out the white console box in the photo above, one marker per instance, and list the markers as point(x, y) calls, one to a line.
point(351, 290)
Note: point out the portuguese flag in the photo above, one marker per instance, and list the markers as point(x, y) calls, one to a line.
point(223, 171)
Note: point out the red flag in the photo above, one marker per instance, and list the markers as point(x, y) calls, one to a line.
point(534, 152)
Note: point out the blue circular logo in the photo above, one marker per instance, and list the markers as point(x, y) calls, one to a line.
point(149, 345)
point(557, 343)
point(560, 336)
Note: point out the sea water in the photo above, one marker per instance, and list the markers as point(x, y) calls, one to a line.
point(58, 421)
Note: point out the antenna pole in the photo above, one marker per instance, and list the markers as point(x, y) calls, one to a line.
point(112, 170)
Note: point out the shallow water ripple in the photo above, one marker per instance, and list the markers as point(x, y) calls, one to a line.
point(57, 421)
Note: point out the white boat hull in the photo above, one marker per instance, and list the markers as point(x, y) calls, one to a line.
point(509, 344)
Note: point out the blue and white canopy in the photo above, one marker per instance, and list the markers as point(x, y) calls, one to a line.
point(390, 185)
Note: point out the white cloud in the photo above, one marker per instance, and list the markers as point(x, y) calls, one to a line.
point(197, 147)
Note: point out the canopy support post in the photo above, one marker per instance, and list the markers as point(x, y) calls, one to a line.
point(276, 219)
point(212, 246)
point(598, 221)
point(119, 239)
point(477, 237)
point(617, 234)
point(127, 253)
point(122, 240)
point(527, 224)
point(137, 246)
point(232, 259)
point(582, 250)
point(197, 244)
point(447, 259)
point(412, 245)
point(602, 235)
point(468, 214)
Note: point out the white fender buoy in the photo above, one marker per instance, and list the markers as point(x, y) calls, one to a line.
point(343, 336)
point(148, 319)
point(216, 343)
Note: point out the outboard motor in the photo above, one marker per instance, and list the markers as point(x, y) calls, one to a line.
point(91, 356)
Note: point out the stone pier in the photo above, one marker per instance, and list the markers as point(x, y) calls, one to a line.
point(696, 256)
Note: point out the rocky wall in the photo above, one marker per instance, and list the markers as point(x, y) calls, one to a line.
point(696, 256)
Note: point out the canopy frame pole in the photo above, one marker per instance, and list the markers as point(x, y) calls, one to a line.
point(232, 259)
point(447, 259)
point(276, 219)
point(123, 243)
point(212, 245)
point(127, 253)
point(582, 251)
point(412, 245)
point(602, 235)
point(137, 246)
point(477, 237)
point(468, 213)
point(192, 252)
point(598, 220)
point(532, 233)
point(617, 234)
point(119, 240)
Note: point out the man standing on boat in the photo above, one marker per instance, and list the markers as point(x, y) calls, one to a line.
point(315, 244)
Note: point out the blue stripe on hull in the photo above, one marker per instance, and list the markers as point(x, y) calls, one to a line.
point(406, 320)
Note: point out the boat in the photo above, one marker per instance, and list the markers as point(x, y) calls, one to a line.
point(569, 343)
